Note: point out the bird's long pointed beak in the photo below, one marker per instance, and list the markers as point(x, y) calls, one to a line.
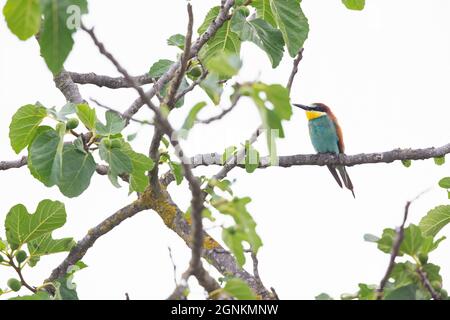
point(302, 106)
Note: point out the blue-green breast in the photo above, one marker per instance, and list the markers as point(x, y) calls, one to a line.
point(323, 135)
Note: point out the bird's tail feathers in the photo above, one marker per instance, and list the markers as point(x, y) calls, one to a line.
point(335, 174)
point(346, 179)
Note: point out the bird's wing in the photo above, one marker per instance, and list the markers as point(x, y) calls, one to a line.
point(341, 144)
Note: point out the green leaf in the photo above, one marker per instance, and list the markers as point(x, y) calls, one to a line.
point(114, 124)
point(407, 163)
point(403, 274)
point(45, 156)
point(45, 245)
point(40, 295)
point(160, 67)
point(223, 41)
point(435, 220)
point(245, 227)
point(387, 239)
point(24, 125)
point(23, 17)
point(412, 240)
point(191, 118)
point(274, 106)
point(22, 227)
point(210, 16)
point(141, 164)
point(77, 170)
point(177, 40)
point(233, 239)
point(61, 115)
point(403, 293)
point(323, 296)
point(292, 23)
point(439, 160)
point(87, 115)
point(366, 292)
point(264, 11)
point(262, 34)
point(228, 153)
point(354, 4)
point(65, 289)
point(56, 35)
point(239, 289)
point(212, 87)
point(119, 162)
point(445, 183)
point(177, 170)
point(223, 185)
point(251, 158)
point(225, 65)
point(371, 238)
point(279, 97)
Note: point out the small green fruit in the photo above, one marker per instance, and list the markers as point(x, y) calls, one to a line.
point(1, 258)
point(423, 258)
point(21, 256)
point(107, 142)
point(195, 72)
point(14, 284)
point(72, 123)
point(116, 143)
point(244, 10)
point(13, 246)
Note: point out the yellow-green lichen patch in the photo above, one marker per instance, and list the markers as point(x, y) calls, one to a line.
point(209, 243)
point(160, 203)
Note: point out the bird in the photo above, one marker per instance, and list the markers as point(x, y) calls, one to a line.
point(326, 137)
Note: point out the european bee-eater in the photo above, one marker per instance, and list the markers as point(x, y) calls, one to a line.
point(326, 137)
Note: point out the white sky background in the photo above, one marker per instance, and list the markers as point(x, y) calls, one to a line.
point(385, 71)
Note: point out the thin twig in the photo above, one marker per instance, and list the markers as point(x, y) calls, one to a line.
point(427, 284)
point(185, 57)
point(223, 113)
point(170, 100)
point(174, 267)
point(101, 105)
point(192, 86)
point(255, 268)
point(400, 232)
point(294, 69)
point(19, 273)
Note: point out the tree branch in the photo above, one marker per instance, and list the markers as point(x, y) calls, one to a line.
point(163, 124)
point(108, 82)
point(209, 159)
point(6, 165)
point(69, 89)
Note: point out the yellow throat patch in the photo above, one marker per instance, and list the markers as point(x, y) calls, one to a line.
point(311, 115)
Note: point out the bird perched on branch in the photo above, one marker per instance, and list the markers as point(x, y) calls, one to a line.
point(326, 137)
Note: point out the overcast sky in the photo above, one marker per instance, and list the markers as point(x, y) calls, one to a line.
point(384, 71)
